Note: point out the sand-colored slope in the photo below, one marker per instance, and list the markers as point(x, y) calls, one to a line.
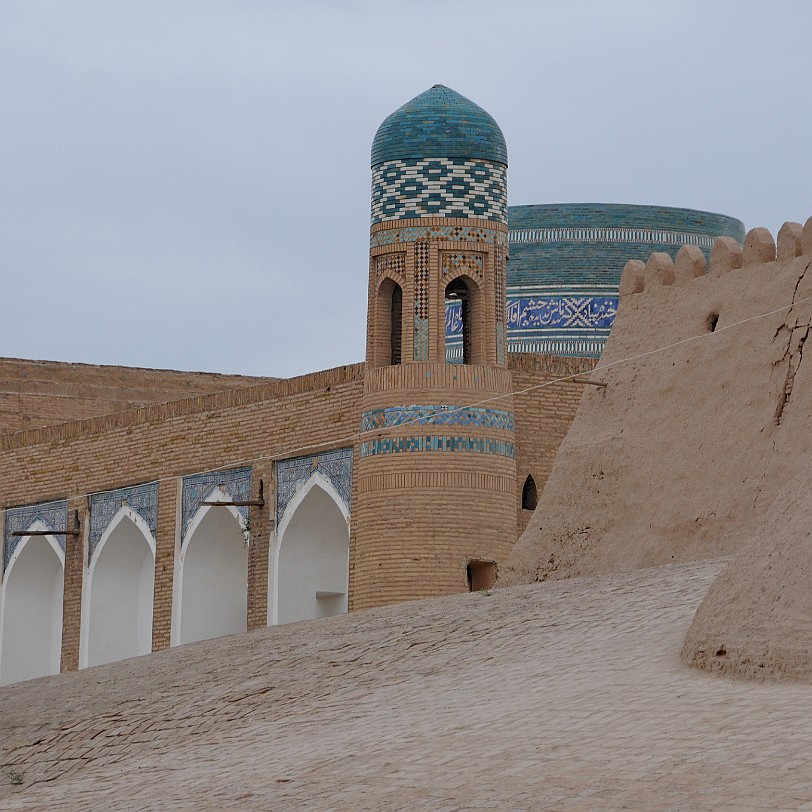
point(565, 696)
point(684, 451)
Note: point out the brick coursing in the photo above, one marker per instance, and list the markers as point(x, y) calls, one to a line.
point(439, 499)
point(43, 393)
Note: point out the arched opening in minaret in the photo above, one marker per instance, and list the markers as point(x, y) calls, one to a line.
point(388, 349)
point(460, 299)
point(395, 324)
point(529, 494)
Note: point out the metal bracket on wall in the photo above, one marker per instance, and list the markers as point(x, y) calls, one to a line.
point(242, 502)
point(76, 532)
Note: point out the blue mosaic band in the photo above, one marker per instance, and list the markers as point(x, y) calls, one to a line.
point(142, 499)
point(442, 415)
point(235, 484)
point(561, 320)
point(293, 474)
point(393, 236)
point(409, 445)
point(54, 515)
point(439, 187)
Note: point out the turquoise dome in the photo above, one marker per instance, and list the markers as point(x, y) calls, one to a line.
point(439, 123)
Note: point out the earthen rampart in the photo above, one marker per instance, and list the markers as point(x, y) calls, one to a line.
point(702, 421)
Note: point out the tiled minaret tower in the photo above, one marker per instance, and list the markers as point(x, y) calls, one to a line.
point(435, 501)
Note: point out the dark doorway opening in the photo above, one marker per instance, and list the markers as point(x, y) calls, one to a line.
point(481, 575)
point(530, 497)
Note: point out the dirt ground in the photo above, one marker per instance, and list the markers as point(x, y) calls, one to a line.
point(567, 695)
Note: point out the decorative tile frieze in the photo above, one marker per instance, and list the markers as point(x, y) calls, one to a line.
point(545, 311)
point(438, 415)
point(393, 236)
point(235, 484)
point(552, 311)
point(469, 264)
point(561, 345)
point(435, 443)
point(421, 301)
point(293, 474)
point(569, 322)
point(390, 263)
point(141, 499)
point(54, 515)
point(439, 187)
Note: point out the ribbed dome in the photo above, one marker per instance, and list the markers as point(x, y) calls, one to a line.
point(439, 123)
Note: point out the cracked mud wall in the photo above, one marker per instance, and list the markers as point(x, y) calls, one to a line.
point(682, 454)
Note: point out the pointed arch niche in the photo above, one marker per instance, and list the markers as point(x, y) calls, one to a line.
point(211, 572)
point(31, 596)
point(309, 564)
point(118, 594)
point(385, 335)
point(388, 342)
point(530, 498)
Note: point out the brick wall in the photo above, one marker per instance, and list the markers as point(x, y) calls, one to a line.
point(272, 420)
point(417, 518)
point(43, 393)
point(543, 416)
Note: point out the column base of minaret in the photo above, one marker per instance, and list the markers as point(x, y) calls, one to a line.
point(436, 481)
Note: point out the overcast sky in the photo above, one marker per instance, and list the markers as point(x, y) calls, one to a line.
point(185, 184)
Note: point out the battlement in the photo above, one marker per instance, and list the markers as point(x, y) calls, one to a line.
point(760, 248)
point(702, 417)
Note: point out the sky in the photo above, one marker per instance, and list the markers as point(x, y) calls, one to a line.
point(185, 184)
